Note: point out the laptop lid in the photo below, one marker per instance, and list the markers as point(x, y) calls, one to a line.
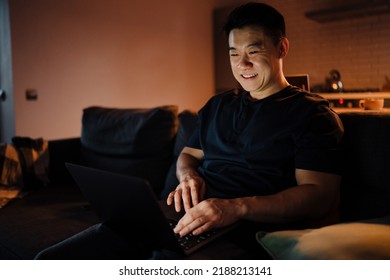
point(127, 205)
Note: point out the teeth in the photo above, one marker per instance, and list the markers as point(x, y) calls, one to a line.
point(249, 76)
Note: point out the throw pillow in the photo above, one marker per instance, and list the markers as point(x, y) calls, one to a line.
point(349, 241)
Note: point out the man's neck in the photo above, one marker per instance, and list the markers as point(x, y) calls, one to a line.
point(274, 88)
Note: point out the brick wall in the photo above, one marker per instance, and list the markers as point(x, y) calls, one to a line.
point(359, 48)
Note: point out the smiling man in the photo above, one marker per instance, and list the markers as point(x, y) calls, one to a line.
point(256, 61)
point(269, 154)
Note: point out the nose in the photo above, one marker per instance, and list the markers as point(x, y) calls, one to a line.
point(244, 63)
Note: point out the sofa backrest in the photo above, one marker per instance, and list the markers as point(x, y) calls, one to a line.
point(365, 189)
point(135, 142)
point(187, 123)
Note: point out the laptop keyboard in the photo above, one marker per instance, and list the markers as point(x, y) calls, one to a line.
point(189, 241)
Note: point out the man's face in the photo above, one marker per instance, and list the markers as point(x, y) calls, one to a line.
point(254, 59)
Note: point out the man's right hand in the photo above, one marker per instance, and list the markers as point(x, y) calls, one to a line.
point(189, 192)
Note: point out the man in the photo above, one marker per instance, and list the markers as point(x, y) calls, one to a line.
point(268, 155)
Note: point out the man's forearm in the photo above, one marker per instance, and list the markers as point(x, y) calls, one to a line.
point(303, 202)
point(186, 166)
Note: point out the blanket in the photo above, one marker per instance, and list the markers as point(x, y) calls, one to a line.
point(34, 159)
point(11, 179)
point(23, 166)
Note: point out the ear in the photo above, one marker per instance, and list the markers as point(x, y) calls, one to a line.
point(284, 47)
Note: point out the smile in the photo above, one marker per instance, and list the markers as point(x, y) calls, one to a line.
point(248, 76)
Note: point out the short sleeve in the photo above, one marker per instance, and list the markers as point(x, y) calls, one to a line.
point(194, 140)
point(318, 147)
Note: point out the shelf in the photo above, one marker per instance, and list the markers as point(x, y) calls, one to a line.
point(383, 111)
point(357, 95)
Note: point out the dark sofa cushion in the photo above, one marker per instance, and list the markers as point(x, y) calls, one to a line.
point(136, 142)
point(61, 151)
point(187, 123)
point(41, 219)
point(365, 189)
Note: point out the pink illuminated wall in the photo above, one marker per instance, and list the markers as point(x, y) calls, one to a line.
point(114, 53)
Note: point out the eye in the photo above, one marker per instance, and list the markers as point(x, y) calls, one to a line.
point(254, 52)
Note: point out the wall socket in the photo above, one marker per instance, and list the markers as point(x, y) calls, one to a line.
point(2, 95)
point(31, 94)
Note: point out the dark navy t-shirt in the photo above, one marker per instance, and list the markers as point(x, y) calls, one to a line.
point(253, 147)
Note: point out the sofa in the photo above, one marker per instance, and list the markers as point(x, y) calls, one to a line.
point(147, 142)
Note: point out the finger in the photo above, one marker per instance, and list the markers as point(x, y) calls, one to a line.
point(190, 221)
point(194, 195)
point(170, 197)
point(196, 227)
point(202, 229)
point(187, 219)
point(183, 228)
point(186, 197)
point(177, 198)
point(197, 191)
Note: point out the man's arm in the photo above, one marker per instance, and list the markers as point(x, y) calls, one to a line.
point(188, 162)
point(191, 188)
point(315, 196)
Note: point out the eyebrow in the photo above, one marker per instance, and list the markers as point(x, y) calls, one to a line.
point(254, 44)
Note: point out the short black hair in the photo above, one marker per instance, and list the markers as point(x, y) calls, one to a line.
point(257, 14)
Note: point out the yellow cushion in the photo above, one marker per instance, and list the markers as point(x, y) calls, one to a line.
point(350, 241)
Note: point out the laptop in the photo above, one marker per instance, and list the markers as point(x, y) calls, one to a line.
point(130, 208)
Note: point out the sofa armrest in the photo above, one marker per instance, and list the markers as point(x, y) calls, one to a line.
point(61, 151)
point(365, 188)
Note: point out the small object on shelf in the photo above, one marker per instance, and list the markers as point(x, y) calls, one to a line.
point(386, 86)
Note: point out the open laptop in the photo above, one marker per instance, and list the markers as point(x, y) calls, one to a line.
point(130, 208)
